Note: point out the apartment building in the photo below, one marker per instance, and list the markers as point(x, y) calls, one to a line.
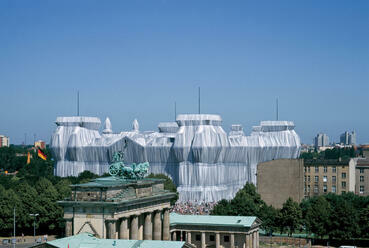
point(362, 177)
point(329, 176)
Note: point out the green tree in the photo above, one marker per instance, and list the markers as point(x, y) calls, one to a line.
point(364, 222)
point(290, 215)
point(343, 221)
point(8, 201)
point(223, 207)
point(317, 216)
point(50, 212)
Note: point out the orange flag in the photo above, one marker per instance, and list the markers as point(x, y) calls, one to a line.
point(28, 158)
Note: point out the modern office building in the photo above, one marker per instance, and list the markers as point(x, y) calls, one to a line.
point(215, 231)
point(348, 138)
point(4, 141)
point(321, 140)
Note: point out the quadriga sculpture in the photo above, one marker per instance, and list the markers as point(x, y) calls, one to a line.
point(119, 170)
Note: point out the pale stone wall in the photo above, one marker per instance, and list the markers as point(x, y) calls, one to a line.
point(277, 180)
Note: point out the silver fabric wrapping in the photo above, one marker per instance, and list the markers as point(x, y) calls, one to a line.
point(204, 162)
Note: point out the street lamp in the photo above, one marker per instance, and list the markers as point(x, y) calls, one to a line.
point(34, 225)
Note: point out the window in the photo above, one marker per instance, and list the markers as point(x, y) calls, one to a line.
point(308, 190)
point(325, 188)
point(316, 169)
point(361, 170)
point(343, 175)
point(334, 170)
point(343, 191)
point(212, 238)
point(361, 178)
point(308, 178)
point(308, 168)
point(333, 179)
point(316, 179)
point(361, 189)
point(198, 237)
point(343, 185)
point(334, 190)
point(226, 238)
point(325, 179)
point(325, 169)
point(304, 178)
point(316, 189)
point(305, 169)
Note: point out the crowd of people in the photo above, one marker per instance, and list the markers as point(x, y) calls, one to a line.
point(197, 208)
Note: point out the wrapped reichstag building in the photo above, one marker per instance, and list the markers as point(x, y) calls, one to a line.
point(205, 163)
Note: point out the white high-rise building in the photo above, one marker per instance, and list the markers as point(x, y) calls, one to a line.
point(4, 141)
point(321, 140)
point(348, 138)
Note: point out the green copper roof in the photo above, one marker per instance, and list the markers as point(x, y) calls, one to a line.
point(86, 240)
point(212, 220)
point(111, 182)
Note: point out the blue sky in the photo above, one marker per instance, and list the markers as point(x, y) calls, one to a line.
point(134, 59)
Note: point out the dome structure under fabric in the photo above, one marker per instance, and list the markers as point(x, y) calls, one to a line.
point(205, 163)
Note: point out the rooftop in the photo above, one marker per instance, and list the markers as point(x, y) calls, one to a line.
point(106, 182)
point(87, 240)
point(213, 220)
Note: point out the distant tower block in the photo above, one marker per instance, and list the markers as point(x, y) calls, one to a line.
point(135, 125)
point(107, 127)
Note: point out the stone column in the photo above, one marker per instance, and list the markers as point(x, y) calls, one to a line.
point(124, 229)
point(217, 240)
point(203, 240)
point(232, 240)
point(174, 236)
point(134, 227)
point(166, 224)
point(68, 227)
point(188, 237)
point(157, 225)
point(257, 239)
point(148, 227)
point(111, 226)
point(141, 223)
point(247, 242)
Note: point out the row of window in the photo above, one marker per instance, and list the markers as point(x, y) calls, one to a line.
point(325, 169)
point(334, 188)
point(325, 188)
point(325, 178)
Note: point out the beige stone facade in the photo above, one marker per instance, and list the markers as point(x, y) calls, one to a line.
point(119, 209)
point(277, 180)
